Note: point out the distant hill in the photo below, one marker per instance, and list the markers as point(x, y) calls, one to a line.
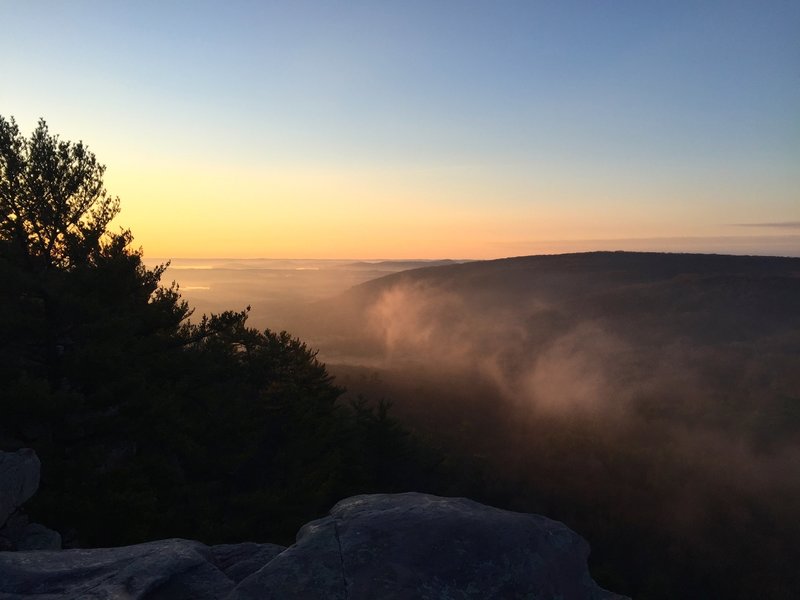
point(399, 265)
point(560, 274)
point(651, 401)
point(703, 296)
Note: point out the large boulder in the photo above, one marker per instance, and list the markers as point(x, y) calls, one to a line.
point(19, 480)
point(20, 534)
point(416, 546)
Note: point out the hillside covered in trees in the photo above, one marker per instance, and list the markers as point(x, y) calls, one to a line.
point(650, 401)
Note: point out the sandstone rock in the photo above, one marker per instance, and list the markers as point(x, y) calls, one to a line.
point(20, 534)
point(311, 569)
point(238, 561)
point(19, 480)
point(402, 546)
point(416, 546)
point(164, 570)
point(38, 537)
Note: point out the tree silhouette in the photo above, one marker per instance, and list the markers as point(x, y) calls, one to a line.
point(55, 209)
point(69, 278)
point(195, 429)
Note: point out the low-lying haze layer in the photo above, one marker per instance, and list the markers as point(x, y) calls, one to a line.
point(274, 288)
point(657, 393)
point(651, 401)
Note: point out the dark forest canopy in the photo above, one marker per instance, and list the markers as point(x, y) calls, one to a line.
point(148, 423)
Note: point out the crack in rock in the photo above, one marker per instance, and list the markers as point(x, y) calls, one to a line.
point(341, 557)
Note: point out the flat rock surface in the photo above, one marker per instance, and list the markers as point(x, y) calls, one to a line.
point(164, 570)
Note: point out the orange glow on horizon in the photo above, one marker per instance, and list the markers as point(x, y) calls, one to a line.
point(304, 212)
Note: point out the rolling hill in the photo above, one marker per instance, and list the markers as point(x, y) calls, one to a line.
point(651, 401)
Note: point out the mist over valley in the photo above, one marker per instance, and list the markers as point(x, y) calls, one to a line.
point(274, 288)
point(185, 411)
point(651, 401)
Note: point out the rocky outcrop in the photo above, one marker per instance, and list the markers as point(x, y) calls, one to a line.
point(420, 546)
point(389, 546)
point(403, 546)
point(163, 570)
point(238, 561)
point(19, 480)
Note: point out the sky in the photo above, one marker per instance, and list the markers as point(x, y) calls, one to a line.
point(425, 129)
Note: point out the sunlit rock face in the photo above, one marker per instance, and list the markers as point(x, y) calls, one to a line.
point(400, 546)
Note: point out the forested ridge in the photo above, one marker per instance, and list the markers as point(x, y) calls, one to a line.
point(650, 401)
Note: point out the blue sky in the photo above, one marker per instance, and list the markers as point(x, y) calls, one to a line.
point(406, 129)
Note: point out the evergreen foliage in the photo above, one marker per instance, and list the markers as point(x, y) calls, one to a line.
point(149, 424)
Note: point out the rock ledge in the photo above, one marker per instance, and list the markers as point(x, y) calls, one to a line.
point(388, 546)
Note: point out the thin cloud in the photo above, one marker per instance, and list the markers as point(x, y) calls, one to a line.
point(778, 224)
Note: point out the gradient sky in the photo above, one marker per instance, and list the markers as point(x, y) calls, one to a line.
point(424, 129)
